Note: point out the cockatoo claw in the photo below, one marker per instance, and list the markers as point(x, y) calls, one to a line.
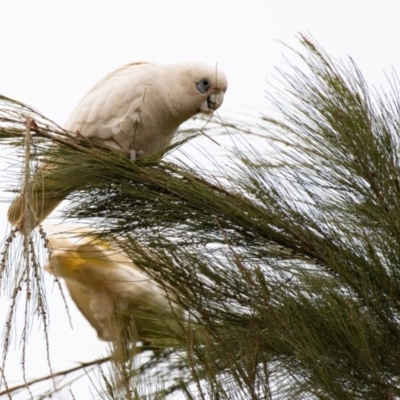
point(134, 155)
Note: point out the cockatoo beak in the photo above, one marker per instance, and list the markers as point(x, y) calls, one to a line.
point(212, 103)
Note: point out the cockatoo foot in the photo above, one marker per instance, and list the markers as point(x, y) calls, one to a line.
point(134, 155)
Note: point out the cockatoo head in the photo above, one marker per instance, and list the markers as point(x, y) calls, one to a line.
point(198, 87)
point(211, 86)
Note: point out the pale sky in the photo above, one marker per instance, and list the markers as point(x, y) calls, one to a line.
point(52, 52)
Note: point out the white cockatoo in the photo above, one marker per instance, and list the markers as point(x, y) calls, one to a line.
point(137, 109)
point(111, 292)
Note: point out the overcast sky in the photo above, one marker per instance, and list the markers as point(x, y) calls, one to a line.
point(52, 52)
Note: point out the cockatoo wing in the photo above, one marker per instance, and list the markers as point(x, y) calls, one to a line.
point(108, 311)
point(84, 300)
point(112, 107)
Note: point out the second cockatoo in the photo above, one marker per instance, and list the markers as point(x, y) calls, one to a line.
point(119, 300)
point(135, 109)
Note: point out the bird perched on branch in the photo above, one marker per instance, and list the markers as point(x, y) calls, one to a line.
point(135, 109)
point(122, 303)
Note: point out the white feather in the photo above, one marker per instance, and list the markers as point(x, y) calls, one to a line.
point(103, 282)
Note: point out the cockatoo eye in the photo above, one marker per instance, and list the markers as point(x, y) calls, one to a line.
point(203, 85)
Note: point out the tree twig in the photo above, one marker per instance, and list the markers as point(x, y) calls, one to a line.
point(54, 375)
